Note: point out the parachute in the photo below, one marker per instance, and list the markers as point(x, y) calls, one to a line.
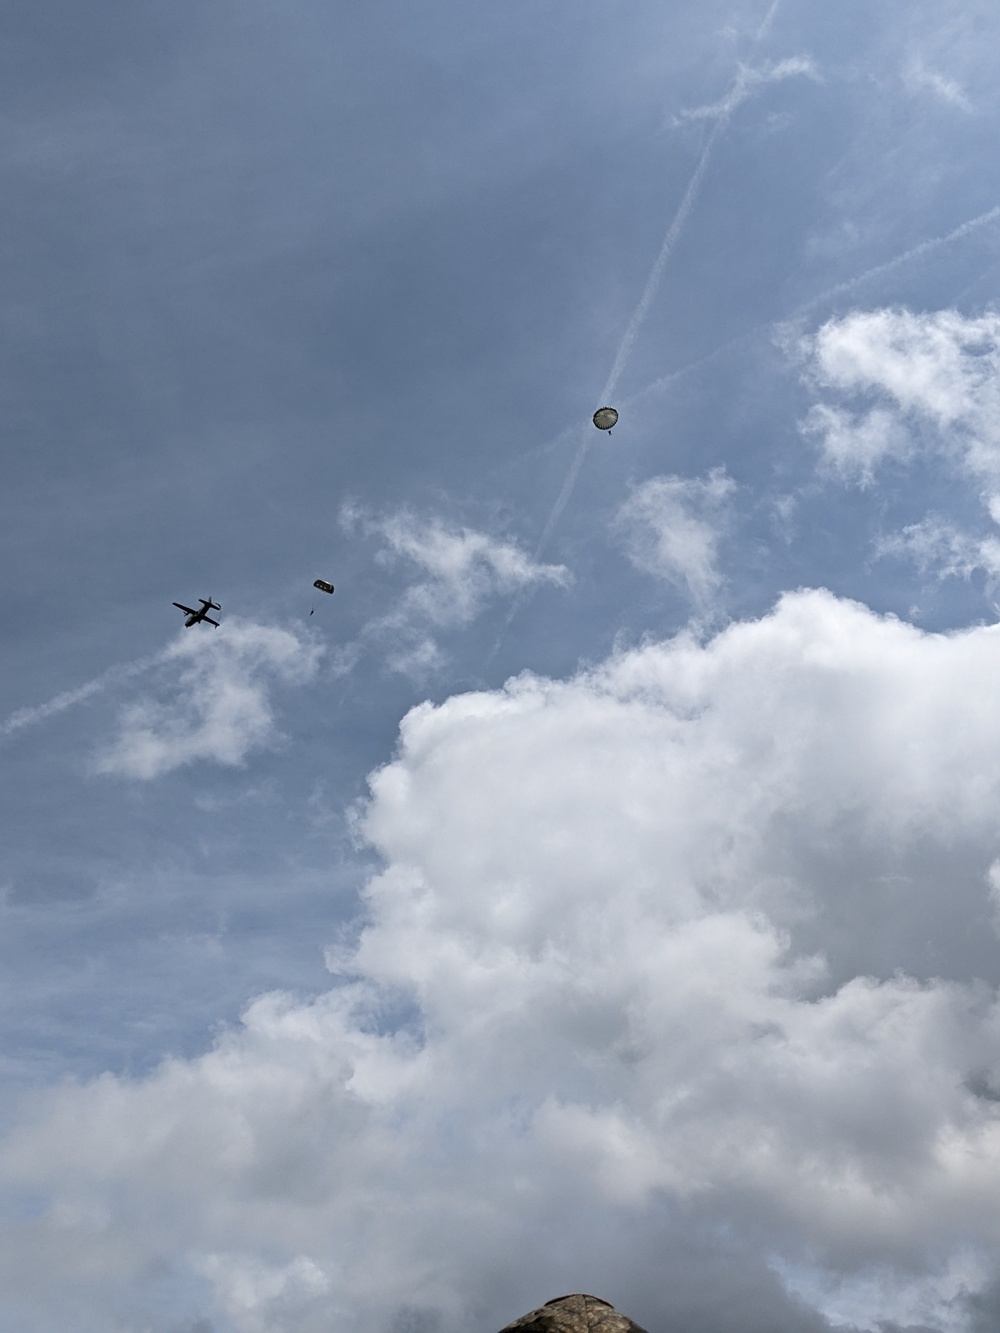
point(605, 418)
point(322, 586)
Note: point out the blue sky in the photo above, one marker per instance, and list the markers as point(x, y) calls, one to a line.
point(600, 891)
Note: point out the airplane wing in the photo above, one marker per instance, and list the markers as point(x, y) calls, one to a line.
point(210, 621)
point(185, 608)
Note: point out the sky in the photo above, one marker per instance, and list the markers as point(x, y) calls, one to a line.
point(601, 889)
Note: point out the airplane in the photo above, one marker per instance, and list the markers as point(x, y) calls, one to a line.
point(196, 617)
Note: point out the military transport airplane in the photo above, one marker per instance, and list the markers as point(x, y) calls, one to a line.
point(196, 617)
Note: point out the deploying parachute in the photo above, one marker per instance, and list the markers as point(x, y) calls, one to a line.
point(605, 418)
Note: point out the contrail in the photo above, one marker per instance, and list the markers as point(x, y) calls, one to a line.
point(662, 381)
point(830, 294)
point(729, 104)
point(769, 18)
point(723, 111)
point(567, 490)
point(821, 298)
point(924, 248)
point(625, 348)
point(634, 325)
point(28, 717)
point(736, 95)
point(666, 249)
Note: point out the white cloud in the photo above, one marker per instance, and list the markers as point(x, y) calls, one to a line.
point(459, 571)
point(584, 1021)
point(913, 384)
point(671, 527)
point(908, 382)
point(913, 1304)
point(855, 446)
point(938, 547)
point(215, 703)
point(265, 1298)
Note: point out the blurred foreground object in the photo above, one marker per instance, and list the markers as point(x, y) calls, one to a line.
point(574, 1314)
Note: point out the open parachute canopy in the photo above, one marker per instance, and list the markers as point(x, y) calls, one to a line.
point(605, 418)
point(322, 585)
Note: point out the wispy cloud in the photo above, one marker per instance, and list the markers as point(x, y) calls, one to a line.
point(671, 528)
point(854, 446)
point(213, 701)
point(940, 548)
point(458, 572)
point(918, 78)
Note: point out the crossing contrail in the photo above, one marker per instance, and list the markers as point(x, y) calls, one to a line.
point(666, 250)
point(631, 333)
point(821, 298)
point(722, 113)
point(624, 350)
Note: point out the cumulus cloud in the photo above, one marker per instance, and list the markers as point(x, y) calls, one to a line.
point(584, 1036)
point(671, 527)
point(214, 702)
point(907, 383)
point(459, 571)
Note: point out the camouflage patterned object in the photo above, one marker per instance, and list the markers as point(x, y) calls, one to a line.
point(574, 1314)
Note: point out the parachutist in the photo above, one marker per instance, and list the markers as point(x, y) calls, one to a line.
point(323, 586)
